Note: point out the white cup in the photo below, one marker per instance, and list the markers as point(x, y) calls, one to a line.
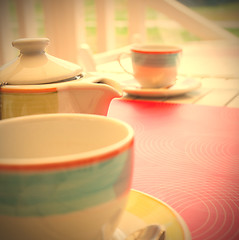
point(154, 66)
point(63, 176)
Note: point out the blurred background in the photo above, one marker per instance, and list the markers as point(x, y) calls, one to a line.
point(106, 25)
point(159, 27)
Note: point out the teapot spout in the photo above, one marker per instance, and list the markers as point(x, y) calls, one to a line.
point(91, 96)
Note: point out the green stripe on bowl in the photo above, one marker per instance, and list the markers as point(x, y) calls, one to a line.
point(57, 192)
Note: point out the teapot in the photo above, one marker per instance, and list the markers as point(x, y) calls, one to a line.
point(36, 82)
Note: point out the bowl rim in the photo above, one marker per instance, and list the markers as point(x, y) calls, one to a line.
point(71, 160)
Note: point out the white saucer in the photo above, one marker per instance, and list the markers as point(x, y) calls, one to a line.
point(143, 209)
point(182, 86)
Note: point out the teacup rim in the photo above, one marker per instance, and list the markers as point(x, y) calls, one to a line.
point(70, 160)
point(156, 48)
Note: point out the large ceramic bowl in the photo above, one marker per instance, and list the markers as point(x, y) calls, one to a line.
point(63, 176)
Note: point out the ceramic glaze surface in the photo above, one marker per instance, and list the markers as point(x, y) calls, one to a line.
point(154, 66)
point(153, 59)
point(78, 96)
point(21, 104)
point(34, 66)
point(38, 83)
point(76, 190)
point(64, 176)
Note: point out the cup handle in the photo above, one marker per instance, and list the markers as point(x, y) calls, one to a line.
point(120, 63)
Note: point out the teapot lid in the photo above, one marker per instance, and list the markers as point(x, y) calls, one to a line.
point(35, 66)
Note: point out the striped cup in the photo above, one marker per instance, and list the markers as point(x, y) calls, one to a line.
point(154, 66)
point(63, 176)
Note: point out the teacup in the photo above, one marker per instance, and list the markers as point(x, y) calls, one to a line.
point(154, 66)
point(63, 176)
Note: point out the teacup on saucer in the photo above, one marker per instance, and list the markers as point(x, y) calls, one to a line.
point(154, 66)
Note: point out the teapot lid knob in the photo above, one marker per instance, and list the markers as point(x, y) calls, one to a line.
point(31, 45)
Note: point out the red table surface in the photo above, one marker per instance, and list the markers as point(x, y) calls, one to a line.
point(188, 156)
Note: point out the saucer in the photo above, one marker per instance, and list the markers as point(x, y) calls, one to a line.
point(143, 209)
point(181, 86)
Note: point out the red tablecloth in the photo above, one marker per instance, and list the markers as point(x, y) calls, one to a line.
point(188, 157)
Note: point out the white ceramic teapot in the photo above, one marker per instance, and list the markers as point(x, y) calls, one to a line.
point(36, 82)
